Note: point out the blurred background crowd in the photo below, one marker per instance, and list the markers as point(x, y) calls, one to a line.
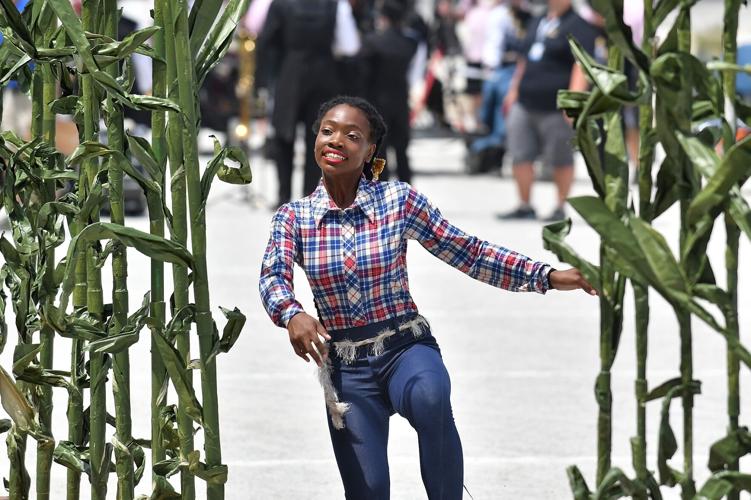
point(484, 71)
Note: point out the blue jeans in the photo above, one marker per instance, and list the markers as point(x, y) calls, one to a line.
point(494, 90)
point(410, 379)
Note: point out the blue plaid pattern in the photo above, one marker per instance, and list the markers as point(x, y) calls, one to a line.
point(355, 258)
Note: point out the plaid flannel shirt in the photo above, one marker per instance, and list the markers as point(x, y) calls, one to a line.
point(355, 258)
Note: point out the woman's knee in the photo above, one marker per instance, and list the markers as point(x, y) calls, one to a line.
point(428, 398)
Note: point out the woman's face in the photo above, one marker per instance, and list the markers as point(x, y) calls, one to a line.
point(343, 142)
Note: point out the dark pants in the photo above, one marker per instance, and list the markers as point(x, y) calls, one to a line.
point(397, 139)
point(284, 153)
point(410, 379)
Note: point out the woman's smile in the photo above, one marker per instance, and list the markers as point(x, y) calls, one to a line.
point(333, 156)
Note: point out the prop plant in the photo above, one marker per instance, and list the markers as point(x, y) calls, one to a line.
point(78, 66)
point(702, 171)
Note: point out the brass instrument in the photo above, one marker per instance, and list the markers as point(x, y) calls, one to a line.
point(244, 89)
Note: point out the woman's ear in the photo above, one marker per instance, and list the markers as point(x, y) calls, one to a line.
point(371, 152)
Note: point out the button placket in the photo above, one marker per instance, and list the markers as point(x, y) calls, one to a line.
point(350, 268)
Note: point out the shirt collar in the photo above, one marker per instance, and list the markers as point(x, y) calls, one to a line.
point(321, 202)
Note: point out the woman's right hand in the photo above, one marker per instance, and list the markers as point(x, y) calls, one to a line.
point(305, 334)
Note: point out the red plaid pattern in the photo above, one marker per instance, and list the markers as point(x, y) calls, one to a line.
point(355, 258)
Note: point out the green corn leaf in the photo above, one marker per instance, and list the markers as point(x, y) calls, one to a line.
point(610, 82)
point(553, 236)
point(730, 448)
point(586, 136)
point(152, 246)
point(15, 404)
point(129, 333)
point(740, 212)
point(151, 103)
point(219, 38)
point(722, 483)
point(145, 155)
point(704, 158)
point(16, 23)
point(662, 10)
point(619, 33)
point(72, 457)
point(178, 374)
point(23, 356)
point(661, 260)
point(616, 484)
point(129, 44)
point(169, 467)
point(629, 256)
point(35, 374)
point(180, 322)
point(217, 167)
point(212, 475)
point(52, 209)
point(735, 166)
point(235, 323)
point(11, 73)
point(72, 24)
point(65, 105)
point(667, 444)
point(203, 15)
point(578, 484)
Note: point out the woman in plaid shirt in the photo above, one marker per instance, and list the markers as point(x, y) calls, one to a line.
point(350, 237)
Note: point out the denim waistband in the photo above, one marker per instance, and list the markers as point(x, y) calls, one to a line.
point(359, 333)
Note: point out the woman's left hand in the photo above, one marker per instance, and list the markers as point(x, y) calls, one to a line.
point(570, 279)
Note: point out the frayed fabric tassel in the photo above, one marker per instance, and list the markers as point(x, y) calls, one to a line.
point(336, 408)
point(418, 326)
point(346, 351)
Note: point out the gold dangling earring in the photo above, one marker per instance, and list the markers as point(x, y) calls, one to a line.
point(377, 167)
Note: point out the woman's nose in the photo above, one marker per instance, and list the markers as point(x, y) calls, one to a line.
point(335, 139)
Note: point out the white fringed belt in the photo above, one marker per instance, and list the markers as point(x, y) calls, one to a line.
point(347, 349)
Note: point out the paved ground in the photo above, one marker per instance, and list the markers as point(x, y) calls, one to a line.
point(522, 366)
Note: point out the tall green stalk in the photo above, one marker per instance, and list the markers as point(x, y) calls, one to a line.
point(204, 323)
point(733, 232)
point(641, 292)
point(94, 295)
point(180, 235)
point(688, 487)
point(156, 227)
point(121, 360)
point(47, 333)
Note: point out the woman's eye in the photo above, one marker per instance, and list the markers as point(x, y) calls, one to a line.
point(326, 131)
point(353, 137)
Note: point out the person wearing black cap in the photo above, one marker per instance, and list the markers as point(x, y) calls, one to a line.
point(386, 55)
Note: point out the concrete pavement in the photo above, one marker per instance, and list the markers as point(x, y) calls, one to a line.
point(522, 365)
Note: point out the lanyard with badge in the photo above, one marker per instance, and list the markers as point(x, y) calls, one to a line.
point(544, 28)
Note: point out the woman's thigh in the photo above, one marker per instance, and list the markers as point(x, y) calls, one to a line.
point(419, 386)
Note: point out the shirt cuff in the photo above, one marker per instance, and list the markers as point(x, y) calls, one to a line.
point(546, 270)
point(289, 312)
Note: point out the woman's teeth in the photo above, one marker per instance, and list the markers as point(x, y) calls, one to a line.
point(333, 156)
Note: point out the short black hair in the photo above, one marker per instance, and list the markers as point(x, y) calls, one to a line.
point(375, 120)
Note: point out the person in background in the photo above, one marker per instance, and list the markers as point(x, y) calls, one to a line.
point(507, 24)
point(474, 33)
point(304, 38)
point(535, 125)
point(386, 55)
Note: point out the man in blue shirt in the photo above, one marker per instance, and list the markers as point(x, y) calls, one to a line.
point(16, 104)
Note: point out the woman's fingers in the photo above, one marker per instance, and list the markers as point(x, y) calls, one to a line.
point(322, 331)
point(300, 351)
